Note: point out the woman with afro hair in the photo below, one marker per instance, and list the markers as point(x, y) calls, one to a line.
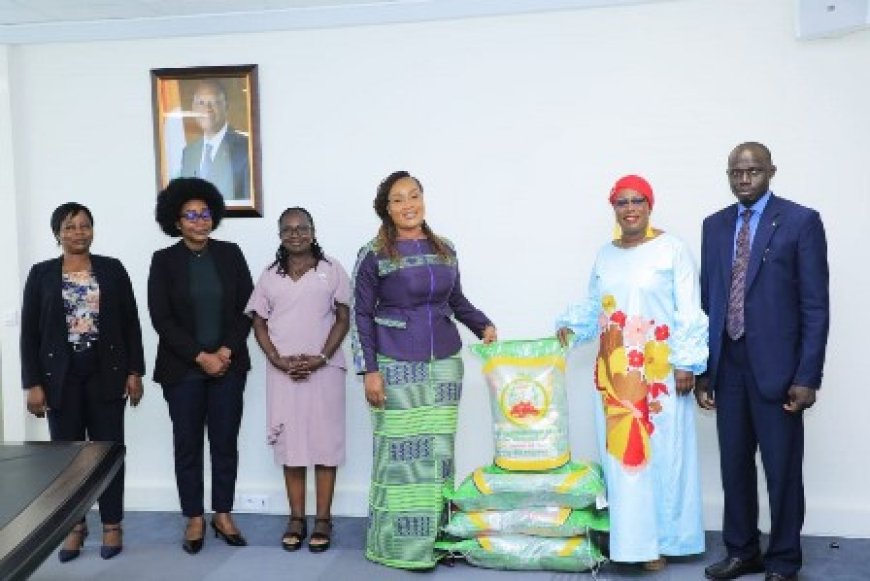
point(197, 292)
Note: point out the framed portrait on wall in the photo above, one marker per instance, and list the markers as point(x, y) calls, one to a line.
point(206, 125)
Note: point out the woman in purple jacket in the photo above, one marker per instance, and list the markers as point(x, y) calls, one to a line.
point(406, 291)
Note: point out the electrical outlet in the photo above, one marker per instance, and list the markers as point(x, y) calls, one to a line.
point(252, 502)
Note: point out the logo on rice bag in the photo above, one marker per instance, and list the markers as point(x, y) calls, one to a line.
point(524, 401)
point(529, 403)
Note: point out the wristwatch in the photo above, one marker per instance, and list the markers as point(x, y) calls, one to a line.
point(324, 358)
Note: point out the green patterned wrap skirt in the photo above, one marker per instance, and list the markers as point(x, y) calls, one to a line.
point(413, 459)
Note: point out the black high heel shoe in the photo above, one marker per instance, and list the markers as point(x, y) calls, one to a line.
point(109, 551)
point(232, 539)
point(81, 531)
point(297, 530)
point(193, 546)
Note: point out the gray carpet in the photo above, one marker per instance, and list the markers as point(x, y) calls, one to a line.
point(152, 551)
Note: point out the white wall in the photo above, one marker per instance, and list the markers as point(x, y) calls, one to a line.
point(11, 396)
point(517, 126)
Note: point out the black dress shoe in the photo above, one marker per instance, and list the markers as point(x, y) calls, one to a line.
point(232, 539)
point(192, 546)
point(779, 577)
point(734, 567)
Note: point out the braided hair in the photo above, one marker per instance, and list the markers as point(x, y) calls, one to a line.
point(388, 233)
point(282, 257)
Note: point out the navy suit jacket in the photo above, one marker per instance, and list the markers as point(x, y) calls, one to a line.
point(230, 169)
point(786, 305)
point(45, 352)
point(172, 313)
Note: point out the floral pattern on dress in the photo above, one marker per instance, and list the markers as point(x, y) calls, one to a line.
point(81, 303)
point(630, 369)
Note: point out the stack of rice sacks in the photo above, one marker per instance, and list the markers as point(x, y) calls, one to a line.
point(533, 508)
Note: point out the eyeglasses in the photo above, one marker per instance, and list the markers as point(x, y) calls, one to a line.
point(753, 172)
point(625, 202)
point(193, 215)
point(303, 230)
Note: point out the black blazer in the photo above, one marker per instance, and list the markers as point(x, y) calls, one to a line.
point(45, 352)
point(172, 313)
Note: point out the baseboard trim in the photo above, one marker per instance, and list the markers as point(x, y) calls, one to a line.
point(349, 501)
point(822, 519)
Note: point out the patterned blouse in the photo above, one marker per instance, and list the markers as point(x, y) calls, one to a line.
point(81, 303)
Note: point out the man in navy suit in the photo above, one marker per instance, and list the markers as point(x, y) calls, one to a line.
point(764, 286)
point(221, 154)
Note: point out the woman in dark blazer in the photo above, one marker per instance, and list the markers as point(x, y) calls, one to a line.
point(81, 354)
point(197, 292)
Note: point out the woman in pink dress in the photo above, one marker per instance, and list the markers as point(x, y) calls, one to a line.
point(301, 315)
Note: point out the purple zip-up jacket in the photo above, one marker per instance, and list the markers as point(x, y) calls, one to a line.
point(403, 309)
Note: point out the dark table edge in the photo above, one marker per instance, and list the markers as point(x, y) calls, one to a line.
point(34, 533)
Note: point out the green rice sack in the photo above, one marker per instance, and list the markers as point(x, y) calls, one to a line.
point(550, 521)
point(575, 485)
point(521, 552)
point(529, 402)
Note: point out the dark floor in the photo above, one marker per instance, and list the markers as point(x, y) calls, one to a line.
point(152, 551)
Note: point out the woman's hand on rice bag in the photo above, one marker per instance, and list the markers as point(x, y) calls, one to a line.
point(374, 385)
point(490, 335)
point(564, 336)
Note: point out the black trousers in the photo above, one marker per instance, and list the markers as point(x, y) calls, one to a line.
point(86, 415)
point(748, 423)
point(196, 403)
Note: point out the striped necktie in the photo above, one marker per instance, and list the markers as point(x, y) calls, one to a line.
point(736, 320)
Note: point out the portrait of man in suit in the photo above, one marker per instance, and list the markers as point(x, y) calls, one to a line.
point(220, 155)
point(764, 287)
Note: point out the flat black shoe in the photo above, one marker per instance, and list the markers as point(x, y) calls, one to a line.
point(66, 555)
point(297, 530)
point(232, 539)
point(734, 567)
point(322, 533)
point(192, 546)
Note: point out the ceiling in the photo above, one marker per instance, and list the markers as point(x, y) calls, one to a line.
point(40, 21)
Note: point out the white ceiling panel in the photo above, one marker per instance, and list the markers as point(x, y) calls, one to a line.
point(41, 21)
point(64, 11)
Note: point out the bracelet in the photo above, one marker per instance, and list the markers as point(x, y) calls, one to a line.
point(324, 358)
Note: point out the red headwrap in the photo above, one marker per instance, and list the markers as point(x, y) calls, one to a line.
point(636, 183)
